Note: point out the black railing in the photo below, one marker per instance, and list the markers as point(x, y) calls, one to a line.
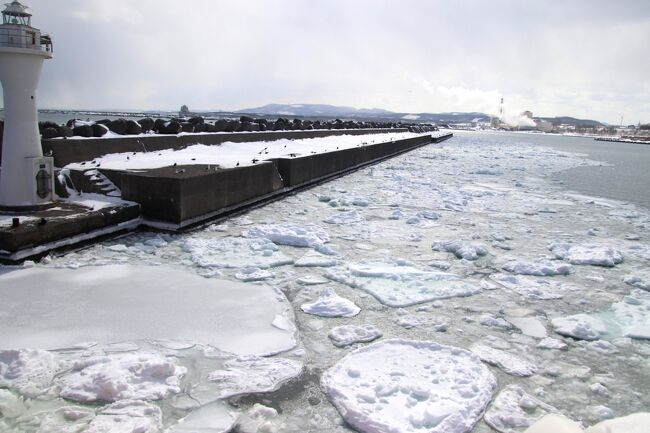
point(31, 40)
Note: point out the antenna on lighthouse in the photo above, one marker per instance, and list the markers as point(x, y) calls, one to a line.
point(26, 177)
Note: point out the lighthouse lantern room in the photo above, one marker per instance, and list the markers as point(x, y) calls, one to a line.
point(26, 177)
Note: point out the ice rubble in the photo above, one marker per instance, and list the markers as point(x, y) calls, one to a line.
point(530, 326)
point(462, 250)
point(398, 285)
point(539, 268)
point(580, 326)
point(254, 374)
point(128, 303)
point(212, 418)
point(634, 423)
point(29, 372)
point(586, 254)
point(344, 217)
point(632, 314)
point(346, 335)
point(641, 282)
point(514, 410)
point(507, 362)
point(409, 386)
point(127, 416)
point(295, 235)
point(329, 304)
point(530, 288)
point(132, 376)
point(316, 260)
point(233, 252)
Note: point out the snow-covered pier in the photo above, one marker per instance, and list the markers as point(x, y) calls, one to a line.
point(175, 182)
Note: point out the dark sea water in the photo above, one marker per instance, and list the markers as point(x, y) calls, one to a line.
point(626, 176)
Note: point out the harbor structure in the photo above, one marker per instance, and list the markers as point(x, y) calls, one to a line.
point(26, 177)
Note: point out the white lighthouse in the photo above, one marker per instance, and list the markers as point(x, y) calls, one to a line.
point(26, 177)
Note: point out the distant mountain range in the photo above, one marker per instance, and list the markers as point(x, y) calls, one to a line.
point(329, 111)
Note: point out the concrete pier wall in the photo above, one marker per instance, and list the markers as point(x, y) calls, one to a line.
point(66, 151)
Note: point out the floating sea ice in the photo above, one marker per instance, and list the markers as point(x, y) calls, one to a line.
point(344, 217)
point(586, 254)
point(513, 410)
point(253, 274)
point(511, 364)
point(580, 326)
point(303, 236)
point(234, 252)
point(641, 282)
point(495, 322)
point(410, 321)
point(346, 335)
point(127, 416)
point(462, 250)
point(312, 280)
point(552, 343)
point(254, 375)
point(398, 285)
point(214, 417)
point(409, 386)
point(143, 376)
point(530, 326)
point(532, 289)
point(316, 260)
point(30, 372)
point(539, 268)
point(632, 314)
point(11, 406)
point(68, 419)
point(329, 304)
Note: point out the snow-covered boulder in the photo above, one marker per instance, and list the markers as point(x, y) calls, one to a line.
point(409, 386)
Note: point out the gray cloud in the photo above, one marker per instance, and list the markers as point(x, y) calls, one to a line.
point(582, 58)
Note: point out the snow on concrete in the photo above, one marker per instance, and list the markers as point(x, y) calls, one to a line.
point(329, 304)
point(409, 386)
point(401, 285)
point(346, 335)
point(539, 268)
point(216, 417)
point(253, 375)
point(580, 326)
point(234, 252)
point(132, 376)
point(586, 254)
point(229, 154)
point(507, 362)
point(295, 235)
point(117, 303)
point(538, 289)
point(462, 250)
point(30, 372)
point(514, 410)
point(127, 416)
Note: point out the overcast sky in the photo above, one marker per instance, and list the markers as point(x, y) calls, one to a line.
point(583, 58)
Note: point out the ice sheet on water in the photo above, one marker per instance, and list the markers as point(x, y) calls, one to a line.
point(68, 419)
point(329, 304)
point(27, 371)
point(130, 303)
point(216, 417)
point(538, 268)
point(248, 274)
point(530, 326)
point(632, 314)
point(401, 285)
point(346, 335)
point(127, 416)
point(492, 321)
point(639, 281)
point(410, 321)
point(234, 252)
point(586, 254)
point(409, 386)
point(514, 410)
point(132, 376)
point(295, 235)
point(316, 260)
point(580, 326)
point(551, 343)
point(344, 217)
point(461, 249)
point(253, 375)
point(530, 288)
point(507, 362)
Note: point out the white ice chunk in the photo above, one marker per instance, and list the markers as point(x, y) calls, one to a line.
point(138, 376)
point(462, 250)
point(67, 419)
point(253, 274)
point(634, 423)
point(580, 326)
point(410, 321)
point(586, 254)
point(315, 260)
point(401, 286)
point(495, 322)
point(11, 406)
point(259, 419)
point(507, 362)
point(530, 326)
point(552, 343)
point(641, 282)
point(233, 252)
point(216, 417)
point(295, 235)
point(538, 289)
point(344, 217)
point(253, 375)
point(513, 410)
point(329, 304)
point(540, 268)
point(632, 314)
point(346, 335)
point(111, 304)
point(127, 416)
point(29, 372)
point(409, 386)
